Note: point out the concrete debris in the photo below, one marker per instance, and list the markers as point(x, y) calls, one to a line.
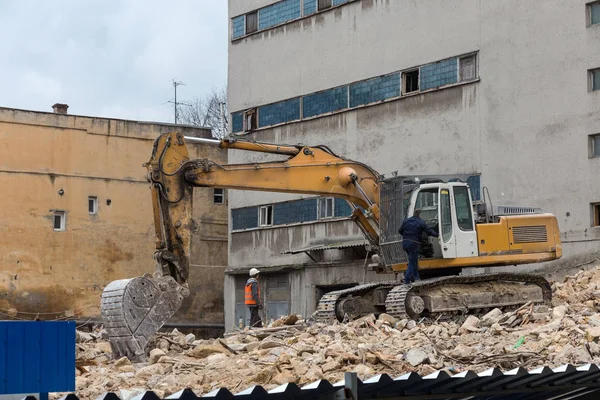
point(492, 317)
point(416, 357)
point(190, 338)
point(206, 350)
point(295, 350)
point(155, 355)
point(83, 337)
point(471, 324)
point(387, 319)
point(286, 320)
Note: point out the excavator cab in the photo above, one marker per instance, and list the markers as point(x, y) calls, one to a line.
point(513, 237)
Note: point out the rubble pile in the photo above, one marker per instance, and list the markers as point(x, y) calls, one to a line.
point(301, 351)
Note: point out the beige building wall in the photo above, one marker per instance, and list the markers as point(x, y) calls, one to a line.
point(52, 162)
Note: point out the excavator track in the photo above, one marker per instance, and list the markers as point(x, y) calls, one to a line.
point(446, 294)
point(326, 309)
point(406, 301)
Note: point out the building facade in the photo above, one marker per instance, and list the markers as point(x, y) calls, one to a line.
point(76, 214)
point(505, 93)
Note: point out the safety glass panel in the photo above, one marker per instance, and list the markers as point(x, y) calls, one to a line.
point(446, 215)
point(464, 213)
point(427, 202)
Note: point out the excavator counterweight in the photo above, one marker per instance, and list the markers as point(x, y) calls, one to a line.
point(133, 310)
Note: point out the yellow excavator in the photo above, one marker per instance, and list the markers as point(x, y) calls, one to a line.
point(134, 309)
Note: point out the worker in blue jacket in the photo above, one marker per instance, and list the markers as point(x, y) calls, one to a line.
point(411, 230)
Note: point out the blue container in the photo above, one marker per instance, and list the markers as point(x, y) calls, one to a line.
point(37, 356)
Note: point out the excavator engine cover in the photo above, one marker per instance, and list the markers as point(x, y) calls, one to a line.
point(135, 309)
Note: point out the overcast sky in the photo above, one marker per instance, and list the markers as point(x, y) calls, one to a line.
point(112, 58)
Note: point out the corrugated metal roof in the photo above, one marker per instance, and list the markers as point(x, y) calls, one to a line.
point(330, 246)
point(562, 383)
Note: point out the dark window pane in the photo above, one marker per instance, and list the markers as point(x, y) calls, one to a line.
point(57, 221)
point(463, 208)
point(323, 4)
point(595, 11)
point(251, 22)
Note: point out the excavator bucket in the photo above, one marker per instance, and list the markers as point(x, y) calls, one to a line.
point(135, 309)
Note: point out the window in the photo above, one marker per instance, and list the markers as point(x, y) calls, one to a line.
point(251, 22)
point(324, 4)
point(596, 214)
point(326, 207)
point(468, 68)
point(593, 12)
point(446, 215)
point(265, 214)
point(59, 220)
point(427, 201)
point(594, 146)
point(93, 205)
point(219, 196)
point(464, 210)
point(277, 281)
point(410, 81)
point(594, 79)
point(250, 120)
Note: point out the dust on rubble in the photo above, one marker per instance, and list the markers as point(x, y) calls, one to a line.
point(296, 350)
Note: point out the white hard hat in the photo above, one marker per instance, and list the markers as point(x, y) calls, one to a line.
point(253, 272)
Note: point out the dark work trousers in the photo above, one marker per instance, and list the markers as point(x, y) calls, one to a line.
point(255, 321)
point(412, 251)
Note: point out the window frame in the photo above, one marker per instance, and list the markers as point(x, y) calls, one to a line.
point(246, 31)
point(593, 85)
point(325, 200)
point(251, 113)
point(588, 13)
point(327, 6)
point(443, 196)
point(217, 195)
point(94, 204)
point(63, 220)
point(260, 215)
point(469, 207)
point(405, 81)
point(595, 215)
point(460, 78)
point(594, 145)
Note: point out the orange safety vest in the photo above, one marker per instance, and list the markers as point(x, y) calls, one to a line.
point(249, 299)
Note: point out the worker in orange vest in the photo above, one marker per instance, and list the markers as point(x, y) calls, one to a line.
point(252, 293)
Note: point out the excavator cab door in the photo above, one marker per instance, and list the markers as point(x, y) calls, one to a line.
point(458, 237)
point(464, 223)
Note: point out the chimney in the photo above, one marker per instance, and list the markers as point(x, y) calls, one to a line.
point(60, 108)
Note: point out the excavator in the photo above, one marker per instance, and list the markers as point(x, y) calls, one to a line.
point(470, 236)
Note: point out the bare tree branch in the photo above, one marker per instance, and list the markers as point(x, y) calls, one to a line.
point(209, 111)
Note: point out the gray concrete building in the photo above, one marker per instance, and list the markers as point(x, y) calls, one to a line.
point(506, 93)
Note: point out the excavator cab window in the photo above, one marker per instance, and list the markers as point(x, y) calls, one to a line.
point(446, 210)
point(427, 202)
point(463, 208)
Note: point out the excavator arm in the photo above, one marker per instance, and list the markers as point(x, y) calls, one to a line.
point(135, 309)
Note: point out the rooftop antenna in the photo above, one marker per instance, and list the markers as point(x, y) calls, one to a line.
point(175, 103)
